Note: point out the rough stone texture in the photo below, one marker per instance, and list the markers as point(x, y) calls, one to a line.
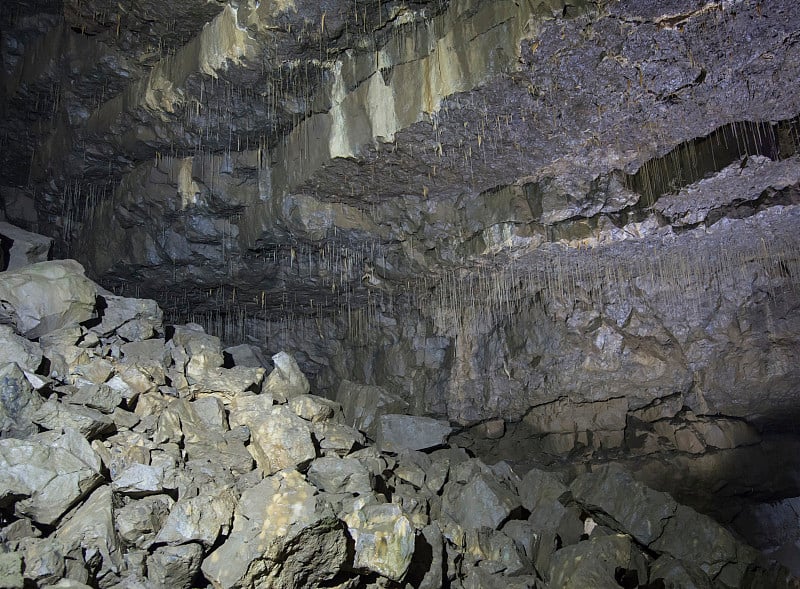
point(46, 296)
point(286, 380)
point(21, 248)
point(282, 440)
point(18, 403)
point(384, 540)
point(409, 432)
point(43, 481)
point(278, 531)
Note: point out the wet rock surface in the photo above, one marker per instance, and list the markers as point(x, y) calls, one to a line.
point(189, 487)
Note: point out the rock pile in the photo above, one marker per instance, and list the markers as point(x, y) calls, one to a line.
point(138, 455)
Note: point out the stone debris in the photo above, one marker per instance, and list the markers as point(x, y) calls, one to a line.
point(142, 461)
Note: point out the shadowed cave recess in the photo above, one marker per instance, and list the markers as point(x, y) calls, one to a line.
point(570, 229)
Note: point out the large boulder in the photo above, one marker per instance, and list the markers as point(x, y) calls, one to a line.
point(46, 296)
point(18, 403)
point(23, 247)
point(410, 432)
point(283, 536)
point(384, 539)
point(363, 404)
point(286, 380)
point(282, 440)
point(43, 481)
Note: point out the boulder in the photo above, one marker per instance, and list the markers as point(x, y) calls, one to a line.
point(481, 502)
point(282, 537)
point(174, 567)
point(23, 247)
point(339, 475)
point(286, 380)
point(245, 355)
point(282, 440)
point(46, 296)
point(14, 348)
point(11, 570)
point(362, 404)
point(131, 319)
point(410, 432)
point(54, 415)
point(43, 481)
point(384, 540)
point(595, 563)
point(90, 531)
point(19, 403)
point(315, 409)
point(199, 519)
point(138, 521)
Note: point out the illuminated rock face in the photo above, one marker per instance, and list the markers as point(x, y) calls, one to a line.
point(575, 221)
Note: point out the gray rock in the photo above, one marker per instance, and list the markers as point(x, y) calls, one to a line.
point(315, 409)
point(282, 537)
point(174, 567)
point(496, 547)
point(138, 480)
point(282, 440)
point(593, 563)
point(336, 439)
point(138, 521)
point(95, 371)
point(46, 296)
point(363, 404)
point(249, 410)
point(44, 560)
point(225, 383)
point(19, 403)
point(43, 481)
point(14, 348)
point(617, 500)
point(339, 475)
point(199, 519)
point(90, 531)
point(54, 415)
point(26, 247)
point(410, 432)
point(384, 540)
point(246, 355)
point(427, 565)
point(11, 570)
point(481, 502)
point(128, 318)
point(96, 396)
point(286, 380)
point(678, 575)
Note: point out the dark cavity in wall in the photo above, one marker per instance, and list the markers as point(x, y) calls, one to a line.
point(701, 157)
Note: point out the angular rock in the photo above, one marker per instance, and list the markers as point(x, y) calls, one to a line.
point(410, 432)
point(249, 410)
point(138, 521)
point(96, 396)
point(25, 247)
point(90, 530)
point(19, 403)
point(128, 318)
point(384, 540)
point(44, 560)
point(282, 537)
point(594, 563)
point(286, 380)
point(174, 567)
point(11, 570)
point(199, 519)
point(53, 415)
point(46, 296)
point(225, 383)
point(336, 439)
point(245, 355)
point(282, 440)
point(620, 502)
point(315, 409)
point(138, 480)
point(14, 348)
point(674, 574)
point(43, 481)
point(363, 404)
point(339, 475)
point(482, 502)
